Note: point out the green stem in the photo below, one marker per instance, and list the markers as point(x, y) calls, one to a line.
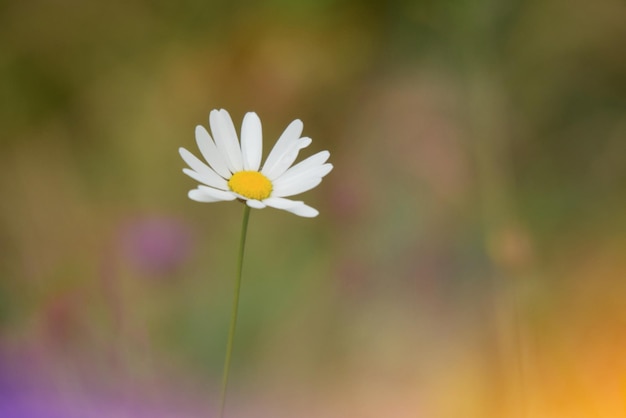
point(233, 316)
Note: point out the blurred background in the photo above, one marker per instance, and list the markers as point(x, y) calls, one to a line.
point(468, 259)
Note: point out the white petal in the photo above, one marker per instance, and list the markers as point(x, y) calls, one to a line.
point(309, 165)
point(208, 195)
point(256, 204)
point(295, 207)
point(251, 141)
point(293, 188)
point(290, 134)
point(280, 202)
point(313, 172)
point(287, 159)
point(226, 138)
point(210, 176)
point(290, 153)
point(218, 194)
point(287, 181)
point(218, 182)
point(211, 154)
point(304, 211)
point(199, 196)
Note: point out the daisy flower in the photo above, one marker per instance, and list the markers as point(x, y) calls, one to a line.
point(234, 169)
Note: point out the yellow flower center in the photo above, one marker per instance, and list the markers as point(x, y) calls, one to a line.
point(251, 184)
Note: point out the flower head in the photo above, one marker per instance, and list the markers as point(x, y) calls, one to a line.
point(234, 169)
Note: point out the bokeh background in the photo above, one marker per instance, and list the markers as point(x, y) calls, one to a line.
point(468, 260)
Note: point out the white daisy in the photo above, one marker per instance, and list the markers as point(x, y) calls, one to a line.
point(234, 170)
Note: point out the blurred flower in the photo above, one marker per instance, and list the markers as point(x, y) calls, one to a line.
point(156, 244)
point(233, 170)
point(32, 387)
